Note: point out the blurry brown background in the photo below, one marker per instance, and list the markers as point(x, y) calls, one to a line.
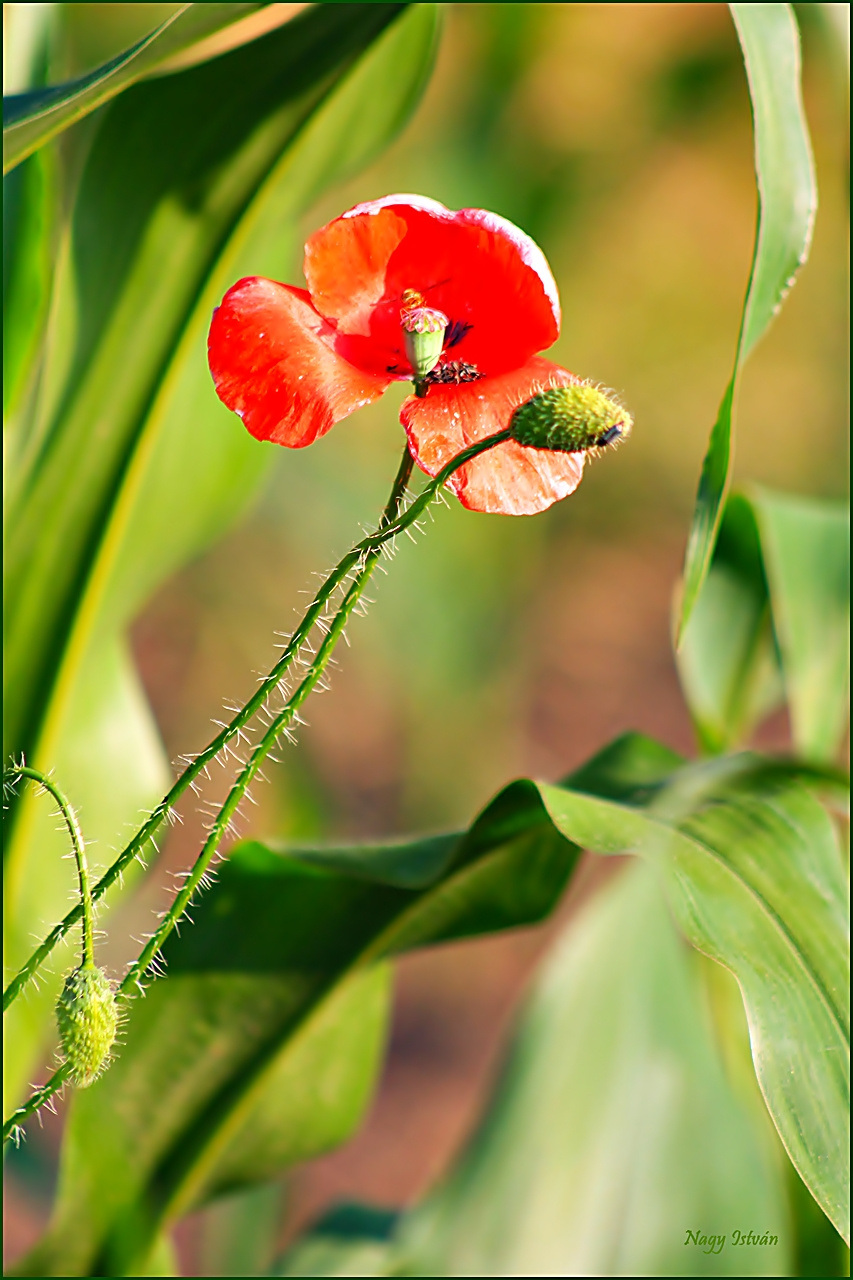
point(619, 137)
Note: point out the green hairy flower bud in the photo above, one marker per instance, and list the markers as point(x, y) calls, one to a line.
point(87, 1016)
point(570, 419)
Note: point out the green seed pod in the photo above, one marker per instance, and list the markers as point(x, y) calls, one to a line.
point(87, 1016)
point(423, 333)
point(423, 350)
point(570, 419)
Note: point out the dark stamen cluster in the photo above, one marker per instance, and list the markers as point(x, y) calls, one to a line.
point(454, 371)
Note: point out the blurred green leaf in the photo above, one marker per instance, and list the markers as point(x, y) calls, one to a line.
point(751, 866)
point(755, 876)
point(350, 1240)
point(779, 588)
point(728, 662)
point(33, 118)
point(787, 200)
point(329, 1255)
point(806, 547)
point(613, 1129)
point(261, 1045)
point(131, 465)
point(240, 1232)
point(30, 226)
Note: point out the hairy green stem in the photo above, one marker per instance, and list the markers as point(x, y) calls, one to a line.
point(223, 819)
point(35, 1101)
point(370, 548)
point(358, 562)
point(69, 817)
point(208, 755)
point(132, 978)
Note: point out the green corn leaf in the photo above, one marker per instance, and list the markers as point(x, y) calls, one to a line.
point(614, 1129)
point(31, 119)
point(776, 603)
point(131, 465)
point(787, 199)
point(30, 230)
point(261, 1045)
point(754, 874)
point(728, 661)
point(806, 546)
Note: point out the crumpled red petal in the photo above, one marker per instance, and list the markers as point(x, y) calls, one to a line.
point(273, 362)
point(489, 278)
point(510, 479)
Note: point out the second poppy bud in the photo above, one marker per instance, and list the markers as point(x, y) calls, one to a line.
point(573, 419)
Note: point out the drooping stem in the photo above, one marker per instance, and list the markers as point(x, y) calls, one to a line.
point(390, 524)
point(211, 751)
point(277, 726)
point(223, 819)
point(356, 562)
point(69, 817)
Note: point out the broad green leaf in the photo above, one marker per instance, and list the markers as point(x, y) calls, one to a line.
point(806, 547)
point(728, 663)
point(613, 1130)
point(787, 199)
point(755, 877)
point(751, 866)
point(260, 1046)
point(33, 118)
point(193, 180)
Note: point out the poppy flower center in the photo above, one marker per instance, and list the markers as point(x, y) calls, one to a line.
point(423, 330)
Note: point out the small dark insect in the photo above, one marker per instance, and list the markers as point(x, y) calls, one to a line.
point(611, 434)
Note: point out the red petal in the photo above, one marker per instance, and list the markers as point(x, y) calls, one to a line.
point(509, 480)
point(486, 275)
point(273, 362)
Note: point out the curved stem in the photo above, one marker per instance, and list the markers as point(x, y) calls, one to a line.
point(222, 822)
point(79, 848)
point(132, 978)
point(354, 562)
point(390, 524)
point(210, 752)
point(361, 559)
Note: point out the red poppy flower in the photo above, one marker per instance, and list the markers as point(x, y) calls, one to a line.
point(403, 288)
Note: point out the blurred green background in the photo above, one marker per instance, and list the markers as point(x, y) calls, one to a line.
point(619, 137)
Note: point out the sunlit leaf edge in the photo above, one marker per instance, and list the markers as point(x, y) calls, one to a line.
point(782, 143)
point(31, 119)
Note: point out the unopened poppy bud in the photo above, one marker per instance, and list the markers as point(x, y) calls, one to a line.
point(87, 1016)
point(423, 329)
point(570, 419)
